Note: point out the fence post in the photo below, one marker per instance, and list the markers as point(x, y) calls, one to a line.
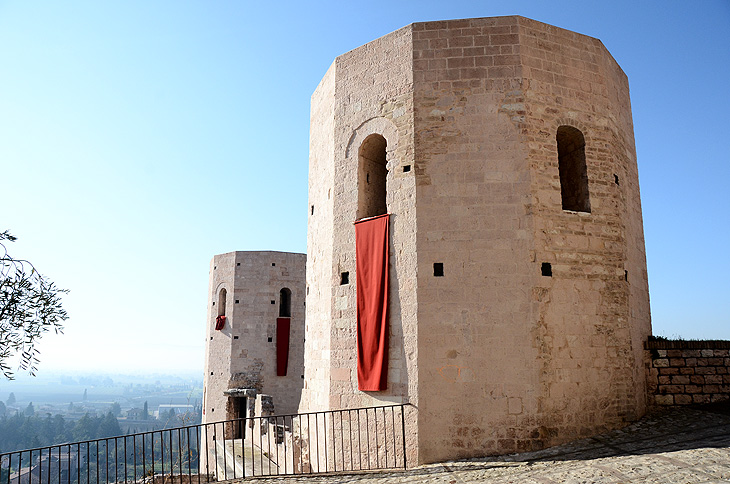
point(403, 430)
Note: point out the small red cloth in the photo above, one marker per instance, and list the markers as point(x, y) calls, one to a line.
point(220, 321)
point(371, 253)
point(282, 345)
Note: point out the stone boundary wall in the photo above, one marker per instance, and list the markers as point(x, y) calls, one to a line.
point(688, 372)
point(176, 479)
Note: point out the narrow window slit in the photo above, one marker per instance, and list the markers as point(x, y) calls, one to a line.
point(572, 169)
point(221, 302)
point(285, 303)
point(372, 160)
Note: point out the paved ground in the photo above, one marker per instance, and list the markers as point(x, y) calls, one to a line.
point(679, 446)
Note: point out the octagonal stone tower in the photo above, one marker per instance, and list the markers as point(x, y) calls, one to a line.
point(518, 305)
point(252, 297)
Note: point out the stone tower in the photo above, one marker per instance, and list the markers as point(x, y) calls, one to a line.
point(518, 305)
point(255, 301)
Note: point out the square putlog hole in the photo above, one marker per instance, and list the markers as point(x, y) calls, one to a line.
point(438, 269)
point(344, 278)
point(546, 269)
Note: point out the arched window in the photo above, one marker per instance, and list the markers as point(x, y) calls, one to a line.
point(222, 302)
point(372, 174)
point(285, 303)
point(572, 168)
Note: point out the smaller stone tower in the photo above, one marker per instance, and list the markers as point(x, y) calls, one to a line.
point(254, 340)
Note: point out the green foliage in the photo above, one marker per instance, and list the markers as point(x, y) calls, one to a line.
point(145, 411)
point(116, 409)
point(23, 432)
point(109, 426)
point(107, 459)
point(85, 428)
point(30, 305)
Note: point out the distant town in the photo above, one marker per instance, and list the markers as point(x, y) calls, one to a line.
point(138, 403)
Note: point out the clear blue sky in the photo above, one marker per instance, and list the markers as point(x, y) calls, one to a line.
point(140, 138)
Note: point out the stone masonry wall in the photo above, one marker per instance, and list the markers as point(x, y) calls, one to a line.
point(476, 365)
point(593, 313)
point(688, 372)
point(517, 360)
point(366, 91)
point(316, 392)
point(243, 353)
point(496, 355)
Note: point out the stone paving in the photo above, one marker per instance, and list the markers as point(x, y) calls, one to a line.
point(681, 445)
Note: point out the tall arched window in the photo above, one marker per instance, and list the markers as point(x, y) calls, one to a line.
point(372, 174)
point(285, 303)
point(222, 302)
point(572, 168)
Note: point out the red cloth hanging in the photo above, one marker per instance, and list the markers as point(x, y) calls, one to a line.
point(371, 248)
point(282, 345)
point(220, 321)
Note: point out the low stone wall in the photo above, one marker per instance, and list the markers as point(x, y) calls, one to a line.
point(177, 479)
point(688, 372)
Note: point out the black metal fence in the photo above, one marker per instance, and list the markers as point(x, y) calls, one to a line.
point(348, 440)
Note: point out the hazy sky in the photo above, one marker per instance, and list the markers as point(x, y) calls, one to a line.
point(140, 138)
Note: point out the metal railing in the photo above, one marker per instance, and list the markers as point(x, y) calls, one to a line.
point(349, 440)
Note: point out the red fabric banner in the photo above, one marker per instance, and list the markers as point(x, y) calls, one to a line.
point(220, 322)
point(282, 345)
point(371, 248)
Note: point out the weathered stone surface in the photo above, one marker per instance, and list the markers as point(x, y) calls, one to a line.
point(496, 356)
point(241, 358)
point(691, 374)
